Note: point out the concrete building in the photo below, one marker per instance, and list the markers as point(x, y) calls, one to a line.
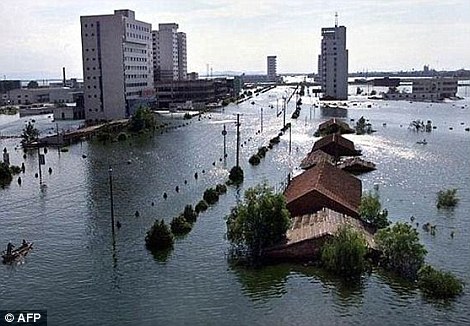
point(169, 53)
point(182, 57)
point(272, 68)
point(333, 63)
point(427, 89)
point(117, 64)
point(173, 94)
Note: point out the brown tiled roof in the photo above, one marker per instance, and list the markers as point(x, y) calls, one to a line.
point(335, 125)
point(313, 158)
point(325, 222)
point(336, 145)
point(324, 186)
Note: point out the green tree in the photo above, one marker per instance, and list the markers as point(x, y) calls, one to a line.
point(143, 119)
point(447, 198)
point(438, 284)
point(401, 250)
point(236, 175)
point(371, 211)
point(5, 174)
point(260, 221)
point(159, 237)
point(30, 134)
point(344, 253)
point(33, 84)
point(180, 226)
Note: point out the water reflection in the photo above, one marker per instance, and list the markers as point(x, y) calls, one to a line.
point(262, 283)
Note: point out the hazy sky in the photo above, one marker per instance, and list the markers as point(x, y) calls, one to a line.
point(40, 36)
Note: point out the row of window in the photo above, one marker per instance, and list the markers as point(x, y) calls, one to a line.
point(135, 59)
point(133, 50)
point(133, 76)
point(88, 68)
point(139, 36)
point(135, 67)
point(133, 93)
point(88, 59)
point(137, 27)
point(136, 84)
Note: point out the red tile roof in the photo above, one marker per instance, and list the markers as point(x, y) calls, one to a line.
point(313, 158)
point(336, 145)
point(324, 186)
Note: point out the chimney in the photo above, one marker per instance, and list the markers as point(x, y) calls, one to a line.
point(63, 76)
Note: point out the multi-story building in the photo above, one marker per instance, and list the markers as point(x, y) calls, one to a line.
point(333, 63)
point(272, 68)
point(169, 47)
point(182, 59)
point(427, 89)
point(117, 64)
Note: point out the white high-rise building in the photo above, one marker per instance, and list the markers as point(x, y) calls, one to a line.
point(272, 68)
point(117, 64)
point(333, 63)
point(182, 59)
point(166, 48)
point(169, 47)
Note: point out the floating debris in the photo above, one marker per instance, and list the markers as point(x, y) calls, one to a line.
point(118, 224)
point(137, 214)
point(165, 196)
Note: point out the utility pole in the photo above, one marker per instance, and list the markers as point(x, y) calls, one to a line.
point(238, 139)
point(224, 133)
point(41, 161)
point(110, 171)
point(261, 119)
point(290, 139)
point(285, 107)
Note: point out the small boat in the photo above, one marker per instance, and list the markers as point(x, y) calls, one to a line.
point(16, 254)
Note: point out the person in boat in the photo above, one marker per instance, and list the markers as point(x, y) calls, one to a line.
point(24, 244)
point(10, 247)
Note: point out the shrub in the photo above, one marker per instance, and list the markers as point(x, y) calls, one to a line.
point(221, 189)
point(211, 196)
point(122, 136)
point(344, 253)
point(187, 116)
point(371, 211)
point(189, 214)
point(260, 221)
point(275, 140)
point(201, 206)
point(236, 175)
point(143, 119)
point(180, 226)
point(159, 237)
point(401, 250)
point(438, 284)
point(447, 198)
point(5, 174)
point(254, 159)
point(262, 151)
point(15, 169)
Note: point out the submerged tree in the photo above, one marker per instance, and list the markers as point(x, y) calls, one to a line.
point(371, 210)
point(143, 119)
point(344, 253)
point(447, 198)
point(259, 222)
point(5, 174)
point(401, 250)
point(438, 284)
point(159, 237)
point(30, 134)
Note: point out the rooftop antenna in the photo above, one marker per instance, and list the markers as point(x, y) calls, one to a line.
point(336, 19)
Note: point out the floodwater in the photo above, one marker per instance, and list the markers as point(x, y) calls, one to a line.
point(83, 276)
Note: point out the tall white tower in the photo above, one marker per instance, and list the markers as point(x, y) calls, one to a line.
point(272, 68)
point(333, 63)
point(117, 64)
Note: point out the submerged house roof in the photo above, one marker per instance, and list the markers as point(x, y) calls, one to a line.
point(313, 158)
point(336, 145)
point(335, 126)
point(309, 232)
point(324, 186)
